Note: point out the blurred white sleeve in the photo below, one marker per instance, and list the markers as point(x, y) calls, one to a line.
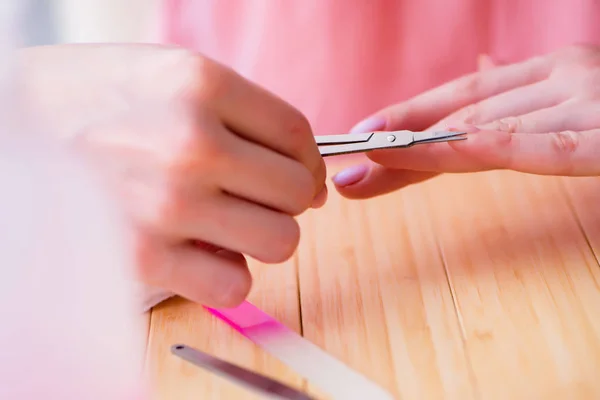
point(69, 327)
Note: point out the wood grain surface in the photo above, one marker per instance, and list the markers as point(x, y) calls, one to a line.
point(479, 286)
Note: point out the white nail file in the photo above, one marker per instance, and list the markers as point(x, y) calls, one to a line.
point(308, 360)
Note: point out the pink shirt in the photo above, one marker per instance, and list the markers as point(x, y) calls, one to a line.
point(339, 60)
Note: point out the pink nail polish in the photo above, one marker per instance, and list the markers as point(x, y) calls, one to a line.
point(375, 123)
point(351, 175)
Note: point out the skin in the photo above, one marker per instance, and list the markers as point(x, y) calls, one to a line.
point(208, 168)
point(185, 145)
point(539, 116)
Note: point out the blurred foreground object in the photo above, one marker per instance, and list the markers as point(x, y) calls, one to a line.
point(68, 328)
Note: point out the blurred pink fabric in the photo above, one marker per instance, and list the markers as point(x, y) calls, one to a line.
point(339, 60)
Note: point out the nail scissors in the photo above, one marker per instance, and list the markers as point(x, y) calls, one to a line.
point(332, 145)
point(267, 387)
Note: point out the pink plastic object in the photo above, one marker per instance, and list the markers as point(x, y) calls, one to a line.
point(307, 359)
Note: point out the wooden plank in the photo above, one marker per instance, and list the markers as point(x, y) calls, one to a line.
point(526, 285)
point(179, 321)
point(374, 294)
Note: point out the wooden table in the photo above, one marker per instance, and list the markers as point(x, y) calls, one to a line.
point(482, 286)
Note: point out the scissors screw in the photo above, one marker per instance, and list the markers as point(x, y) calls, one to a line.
point(391, 138)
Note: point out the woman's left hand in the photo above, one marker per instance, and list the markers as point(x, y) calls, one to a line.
point(541, 116)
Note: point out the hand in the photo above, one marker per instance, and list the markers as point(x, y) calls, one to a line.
point(208, 167)
point(540, 116)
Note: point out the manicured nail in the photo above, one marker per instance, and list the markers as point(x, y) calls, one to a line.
point(350, 176)
point(320, 199)
point(368, 125)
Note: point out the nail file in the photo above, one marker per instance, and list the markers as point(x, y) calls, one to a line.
point(308, 360)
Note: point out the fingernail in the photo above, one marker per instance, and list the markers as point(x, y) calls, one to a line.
point(375, 123)
point(320, 199)
point(350, 176)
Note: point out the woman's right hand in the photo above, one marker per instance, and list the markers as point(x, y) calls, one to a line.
point(208, 167)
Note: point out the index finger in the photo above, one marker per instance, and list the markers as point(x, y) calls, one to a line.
point(567, 153)
point(259, 116)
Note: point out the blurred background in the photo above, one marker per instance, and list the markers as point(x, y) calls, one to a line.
point(76, 21)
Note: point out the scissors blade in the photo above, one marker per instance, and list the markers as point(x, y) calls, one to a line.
point(344, 139)
point(357, 143)
point(264, 385)
point(437, 136)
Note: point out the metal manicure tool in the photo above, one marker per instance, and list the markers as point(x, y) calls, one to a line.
point(332, 145)
point(267, 387)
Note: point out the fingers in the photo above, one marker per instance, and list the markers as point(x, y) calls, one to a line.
point(564, 117)
point(268, 178)
point(517, 101)
point(435, 104)
point(370, 180)
point(237, 225)
point(430, 108)
point(261, 117)
point(219, 279)
point(482, 152)
point(566, 153)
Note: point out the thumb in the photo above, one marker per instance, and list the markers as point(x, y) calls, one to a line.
point(370, 180)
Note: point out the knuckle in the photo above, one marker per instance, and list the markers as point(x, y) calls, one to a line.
point(194, 149)
point(298, 124)
point(397, 115)
point(565, 142)
point(469, 86)
point(211, 151)
point(284, 241)
point(468, 115)
point(509, 125)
